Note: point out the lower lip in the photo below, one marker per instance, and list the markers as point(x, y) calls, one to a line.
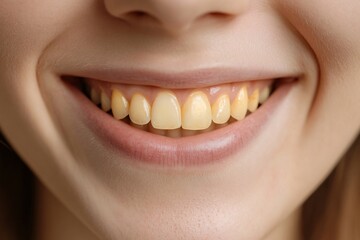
point(144, 147)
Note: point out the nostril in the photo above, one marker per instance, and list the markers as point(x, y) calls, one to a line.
point(139, 16)
point(218, 15)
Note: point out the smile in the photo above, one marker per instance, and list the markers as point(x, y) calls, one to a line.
point(179, 113)
point(177, 126)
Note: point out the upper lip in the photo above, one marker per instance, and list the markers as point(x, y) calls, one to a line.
point(197, 78)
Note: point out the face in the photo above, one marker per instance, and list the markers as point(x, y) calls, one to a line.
point(131, 179)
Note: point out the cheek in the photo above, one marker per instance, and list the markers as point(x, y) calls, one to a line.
point(331, 30)
point(330, 27)
point(28, 27)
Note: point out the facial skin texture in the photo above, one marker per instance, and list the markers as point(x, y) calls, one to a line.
point(252, 195)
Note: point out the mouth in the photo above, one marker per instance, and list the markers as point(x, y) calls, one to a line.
point(177, 126)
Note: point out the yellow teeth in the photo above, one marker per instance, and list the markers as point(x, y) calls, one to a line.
point(105, 102)
point(166, 113)
point(196, 112)
point(221, 110)
point(167, 117)
point(176, 133)
point(119, 105)
point(240, 105)
point(95, 96)
point(264, 95)
point(253, 101)
point(157, 131)
point(139, 110)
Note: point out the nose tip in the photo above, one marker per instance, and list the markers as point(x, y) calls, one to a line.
point(172, 16)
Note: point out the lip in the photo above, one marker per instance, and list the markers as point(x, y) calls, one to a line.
point(198, 78)
point(144, 147)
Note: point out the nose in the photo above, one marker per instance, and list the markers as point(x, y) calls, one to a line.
point(173, 15)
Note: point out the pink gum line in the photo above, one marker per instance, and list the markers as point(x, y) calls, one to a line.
point(150, 93)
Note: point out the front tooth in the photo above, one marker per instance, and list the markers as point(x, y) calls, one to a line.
point(166, 113)
point(264, 95)
point(221, 109)
point(95, 96)
point(239, 105)
point(139, 110)
point(119, 105)
point(254, 101)
point(105, 102)
point(196, 112)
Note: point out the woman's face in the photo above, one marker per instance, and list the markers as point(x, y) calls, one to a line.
point(240, 181)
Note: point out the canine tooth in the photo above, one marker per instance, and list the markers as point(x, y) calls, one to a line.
point(264, 95)
point(95, 96)
point(253, 101)
point(221, 109)
point(166, 112)
point(119, 105)
point(105, 102)
point(239, 105)
point(139, 110)
point(196, 112)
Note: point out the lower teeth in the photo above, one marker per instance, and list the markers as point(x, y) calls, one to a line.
point(186, 127)
point(175, 133)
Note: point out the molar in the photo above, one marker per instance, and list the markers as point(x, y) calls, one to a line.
point(105, 102)
point(253, 101)
point(264, 95)
point(95, 96)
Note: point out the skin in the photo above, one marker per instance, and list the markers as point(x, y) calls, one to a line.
point(257, 197)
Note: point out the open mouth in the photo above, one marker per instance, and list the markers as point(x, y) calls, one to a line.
point(178, 113)
point(179, 126)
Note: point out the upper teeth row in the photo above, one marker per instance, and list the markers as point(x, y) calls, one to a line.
point(166, 113)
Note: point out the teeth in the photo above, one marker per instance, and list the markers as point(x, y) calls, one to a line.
point(176, 133)
point(196, 112)
point(140, 127)
point(264, 95)
point(254, 101)
point(157, 131)
point(240, 105)
point(221, 109)
point(139, 110)
point(166, 113)
point(119, 105)
point(105, 102)
point(95, 96)
point(168, 118)
point(209, 129)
